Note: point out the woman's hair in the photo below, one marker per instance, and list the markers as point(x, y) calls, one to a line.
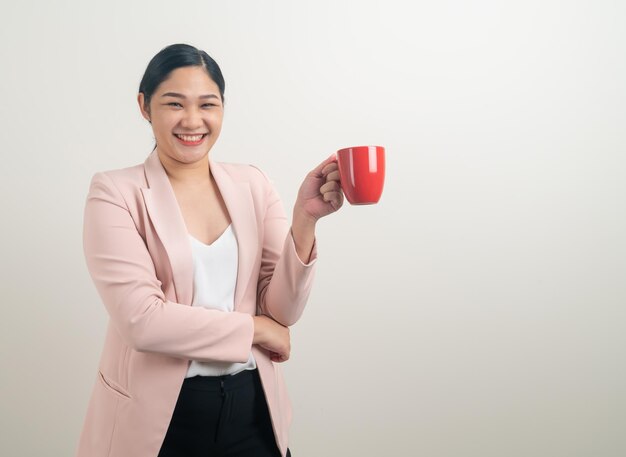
point(176, 56)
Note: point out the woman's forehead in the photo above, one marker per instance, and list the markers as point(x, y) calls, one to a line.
point(189, 81)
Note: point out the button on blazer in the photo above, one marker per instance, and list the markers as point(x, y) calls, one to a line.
point(138, 254)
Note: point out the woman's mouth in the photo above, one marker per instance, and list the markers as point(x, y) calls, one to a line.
point(191, 140)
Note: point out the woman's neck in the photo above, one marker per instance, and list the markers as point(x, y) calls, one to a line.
point(193, 174)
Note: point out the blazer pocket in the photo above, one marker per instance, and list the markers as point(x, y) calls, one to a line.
point(113, 386)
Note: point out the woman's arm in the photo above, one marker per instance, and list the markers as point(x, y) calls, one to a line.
point(288, 257)
point(319, 195)
point(303, 233)
point(124, 274)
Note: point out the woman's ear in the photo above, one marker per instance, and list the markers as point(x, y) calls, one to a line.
point(144, 112)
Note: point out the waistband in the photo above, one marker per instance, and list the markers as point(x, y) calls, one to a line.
point(221, 383)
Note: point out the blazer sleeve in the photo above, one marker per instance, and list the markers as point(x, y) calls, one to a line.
point(285, 281)
point(125, 277)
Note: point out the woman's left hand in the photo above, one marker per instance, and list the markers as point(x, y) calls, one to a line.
point(320, 193)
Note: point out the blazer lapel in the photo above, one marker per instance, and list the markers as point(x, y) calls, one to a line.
point(238, 200)
point(170, 226)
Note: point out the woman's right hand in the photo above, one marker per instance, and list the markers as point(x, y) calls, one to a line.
point(272, 336)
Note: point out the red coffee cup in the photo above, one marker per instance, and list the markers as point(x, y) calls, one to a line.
point(362, 173)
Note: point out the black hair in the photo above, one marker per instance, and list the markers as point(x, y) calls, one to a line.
point(176, 56)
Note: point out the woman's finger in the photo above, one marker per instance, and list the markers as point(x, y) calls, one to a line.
point(275, 357)
point(333, 197)
point(329, 167)
point(331, 186)
point(336, 200)
point(333, 176)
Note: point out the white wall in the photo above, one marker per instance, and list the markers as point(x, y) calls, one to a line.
point(478, 310)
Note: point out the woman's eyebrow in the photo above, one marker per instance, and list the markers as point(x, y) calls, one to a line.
point(174, 94)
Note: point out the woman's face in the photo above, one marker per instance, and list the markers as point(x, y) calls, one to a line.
point(186, 112)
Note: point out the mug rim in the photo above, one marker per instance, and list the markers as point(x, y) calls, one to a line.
point(360, 147)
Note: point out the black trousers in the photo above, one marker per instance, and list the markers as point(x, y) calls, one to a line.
point(219, 416)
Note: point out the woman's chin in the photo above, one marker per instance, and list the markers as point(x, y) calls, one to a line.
point(186, 156)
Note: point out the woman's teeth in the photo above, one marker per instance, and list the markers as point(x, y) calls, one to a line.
point(190, 138)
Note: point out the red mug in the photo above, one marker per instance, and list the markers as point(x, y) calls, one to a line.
point(362, 173)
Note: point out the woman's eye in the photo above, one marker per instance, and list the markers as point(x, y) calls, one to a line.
point(178, 105)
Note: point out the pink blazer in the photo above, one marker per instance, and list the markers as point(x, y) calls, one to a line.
point(138, 254)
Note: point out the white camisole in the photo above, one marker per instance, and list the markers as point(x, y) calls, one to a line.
point(214, 281)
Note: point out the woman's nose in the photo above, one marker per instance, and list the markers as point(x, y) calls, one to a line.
point(192, 119)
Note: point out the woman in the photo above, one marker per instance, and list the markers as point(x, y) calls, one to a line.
point(180, 230)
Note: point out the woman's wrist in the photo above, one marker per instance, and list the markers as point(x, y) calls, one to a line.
point(303, 233)
point(259, 330)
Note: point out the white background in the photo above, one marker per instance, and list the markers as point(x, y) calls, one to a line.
point(477, 310)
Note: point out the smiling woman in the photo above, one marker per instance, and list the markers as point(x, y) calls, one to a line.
point(186, 109)
point(182, 96)
point(201, 276)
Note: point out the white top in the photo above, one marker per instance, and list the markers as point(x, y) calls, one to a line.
point(214, 280)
